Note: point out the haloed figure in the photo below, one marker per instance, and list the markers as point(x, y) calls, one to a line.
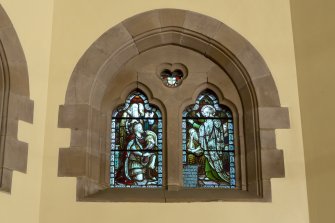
point(211, 140)
point(140, 162)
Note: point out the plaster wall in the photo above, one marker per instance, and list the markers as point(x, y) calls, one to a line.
point(55, 34)
point(32, 21)
point(314, 35)
point(266, 24)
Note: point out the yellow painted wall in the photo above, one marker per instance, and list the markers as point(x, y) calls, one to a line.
point(33, 22)
point(52, 53)
point(265, 23)
point(314, 37)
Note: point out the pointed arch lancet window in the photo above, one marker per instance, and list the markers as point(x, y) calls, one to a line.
point(208, 144)
point(136, 144)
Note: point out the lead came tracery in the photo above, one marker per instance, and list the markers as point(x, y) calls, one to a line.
point(208, 144)
point(136, 144)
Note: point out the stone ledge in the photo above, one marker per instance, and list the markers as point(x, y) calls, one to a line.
point(273, 164)
point(20, 108)
point(71, 162)
point(16, 154)
point(73, 116)
point(274, 118)
point(26, 110)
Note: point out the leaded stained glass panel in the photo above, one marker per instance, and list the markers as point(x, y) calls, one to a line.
point(208, 144)
point(136, 144)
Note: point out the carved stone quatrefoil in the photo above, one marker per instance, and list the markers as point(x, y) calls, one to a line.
point(172, 75)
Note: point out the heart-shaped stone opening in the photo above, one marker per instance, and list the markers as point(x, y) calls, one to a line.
point(172, 75)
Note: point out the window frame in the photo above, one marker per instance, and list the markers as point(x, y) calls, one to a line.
point(15, 103)
point(169, 191)
point(160, 119)
point(204, 35)
point(236, 139)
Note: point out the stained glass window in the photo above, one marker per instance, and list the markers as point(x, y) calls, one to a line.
point(208, 144)
point(136, 144)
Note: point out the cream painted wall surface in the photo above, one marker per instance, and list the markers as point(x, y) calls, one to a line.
point(32, 21)
point(266, 24)
point(314, 32)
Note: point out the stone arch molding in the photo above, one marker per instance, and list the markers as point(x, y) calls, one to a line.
point(15, 103)
point(82, 111)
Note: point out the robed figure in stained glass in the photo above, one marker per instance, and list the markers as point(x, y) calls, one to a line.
point(136, 144)
point(208, 143)
point(138, 160)
point(211, 142)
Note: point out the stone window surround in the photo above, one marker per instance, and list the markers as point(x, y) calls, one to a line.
point(202, 34)
point(15, 103)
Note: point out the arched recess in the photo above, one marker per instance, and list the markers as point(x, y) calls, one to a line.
point(15, 104)
point(103, 65)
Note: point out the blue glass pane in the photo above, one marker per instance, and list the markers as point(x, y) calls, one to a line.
point(184, 146)
point(184, 125)
point(230, 126)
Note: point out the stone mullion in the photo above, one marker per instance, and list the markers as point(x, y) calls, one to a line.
point(173, 150)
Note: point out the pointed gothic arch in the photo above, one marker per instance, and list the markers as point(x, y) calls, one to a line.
point(15, 104)
point(104, 64)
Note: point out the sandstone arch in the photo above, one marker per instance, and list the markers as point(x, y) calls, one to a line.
point(199, 33)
